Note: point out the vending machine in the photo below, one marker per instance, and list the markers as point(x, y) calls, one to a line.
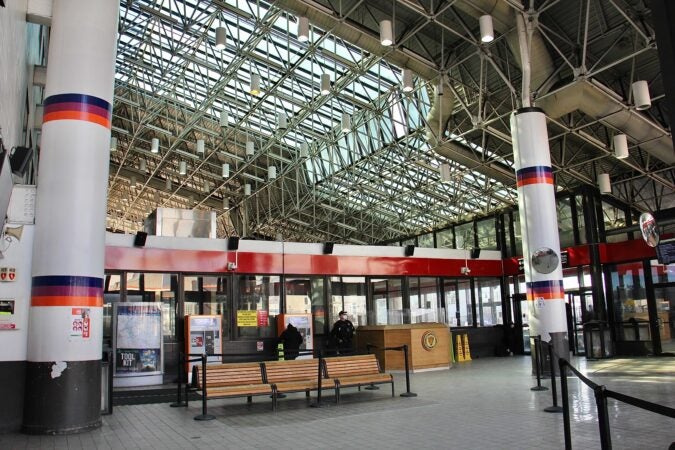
point(303, 322)
point(203, 335)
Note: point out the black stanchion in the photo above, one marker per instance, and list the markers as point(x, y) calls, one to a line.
point(109, 387)
point(179, 401)
point(204, 415)
point(318, 403)
point(554, 393)
point(407, 392)
point(603, 417)
point(537, 369)
point(562, 366)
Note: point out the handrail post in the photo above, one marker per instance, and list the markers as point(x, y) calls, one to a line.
point(603, 419)
point(562, 365)
point(204, 415)
point(554, 391)
point(407, 392)
point(179, 401)
point(538, 387)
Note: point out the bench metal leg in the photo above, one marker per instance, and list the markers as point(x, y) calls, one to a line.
point(249, 399)
point(337, 393)
point(392, 388)
point(274, 399)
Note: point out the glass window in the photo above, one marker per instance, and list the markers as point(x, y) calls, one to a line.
point(665, 311)
point(487, 234)
point(305, 295)
point(614, 218)
point(631, 317)
point(517, 232)
point(464, 234)
point(208, 295)
point(458, 302)
point(570, 278)
point(387, 297)
point(111, 294)
point(581, 223)
point(424, 301)
point(444, 238)
point(257, 306)
point(426, 240)
point(662, 273)
point(489, 298)
point(565, 224)
point(348, 294)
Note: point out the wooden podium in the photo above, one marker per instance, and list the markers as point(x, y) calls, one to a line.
point(428, 345)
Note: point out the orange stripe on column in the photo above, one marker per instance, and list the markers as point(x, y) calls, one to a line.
point(76, 115)
point(66, 301)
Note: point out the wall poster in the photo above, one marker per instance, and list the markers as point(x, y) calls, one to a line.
point(138, 339)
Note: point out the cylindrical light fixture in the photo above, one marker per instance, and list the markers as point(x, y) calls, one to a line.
point(167, 185)
point(255, 84)
point(226, 170)
point(445, 172)
point(487, 33)
point(226, 203)
point(304, 150)
point(250, 148)
point(113, 144)
point(303, 29)
point(271, 172)
point(207, 186)
point(604, 183)
point(325, 84)
point(191, 199)
point(154, 146)
point(346, 123)
point(182, 168)
point(620, 146)
point(282, 121)
point(142, 165)
point(132, 182)
point(221, 38)
point(439, 87)
point(386, 33)
point(200, 146)
point(247, 189)
point(641, 97)
point(224, 118)
point(407, 80)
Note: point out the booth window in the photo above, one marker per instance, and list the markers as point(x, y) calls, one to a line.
point(257, 306)
point(424, 300)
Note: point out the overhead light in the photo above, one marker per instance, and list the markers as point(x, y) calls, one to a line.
point(439, 86)
point(255, 84)
point(271, 172)
point(641, 97)
point(154, 146)
point(200, 146)
point(487, 33)
point(386, 33)
point(221, 38)
point(247, 189)
point(132, 182)
point(346, 122)
point(226, 203)
point(142, 165)
point(191, 199)
point(282, 121)
point(620, 146)
point(325, 84)
point(604, 183)
point(167, 185)
point(224, 118)
point(303, 29)
point(207, 186)
point(407, 80)
point(445, 172)
point(226, 170)
point(304, 150)
point(113, 144)
point(182, 168)
point(250, 148)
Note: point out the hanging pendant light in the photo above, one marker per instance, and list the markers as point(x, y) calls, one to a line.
point(226, 170)
point(142, 165)
point(487, 33)
point(641, 97)
point(282, 121)
point(113, 144)
point(407, 80)
point(304, 150)
point(271, 173)
point(221, 38)
point(132, 182)
point(154, 145)
point(226, 203)
point(346, 123)
point(224, 118)
point(604, 183)
point(250, 148)
point(325, 84)
point(620, 146)
point(167, 185)
point(445, 172)
point(255, 84)
point(386, 33)
point(303, 29)
point(247, 189)
point(182, 168)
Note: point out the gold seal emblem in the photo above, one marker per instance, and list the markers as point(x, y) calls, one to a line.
point(429, 340)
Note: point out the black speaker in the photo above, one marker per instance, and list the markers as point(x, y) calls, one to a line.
point(19, 159)
point(475, 253)
point(328, 248)
point(139, 240)
point(233, 243)
point(409, 250)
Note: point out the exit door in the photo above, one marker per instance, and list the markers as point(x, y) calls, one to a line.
point(579, 307)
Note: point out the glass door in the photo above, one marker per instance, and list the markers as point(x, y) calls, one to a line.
point(665, 312)
point(579, 309)
point(520, 311)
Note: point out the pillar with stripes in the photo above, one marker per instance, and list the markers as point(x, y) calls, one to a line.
point(539, 227)
point(63, 376)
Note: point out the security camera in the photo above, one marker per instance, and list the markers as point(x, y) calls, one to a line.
point(465, 270)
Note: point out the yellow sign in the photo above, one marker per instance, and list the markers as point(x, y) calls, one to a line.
point(247, 318)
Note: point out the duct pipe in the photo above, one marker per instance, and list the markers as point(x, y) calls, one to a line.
point(440, 112)
point(523, 45)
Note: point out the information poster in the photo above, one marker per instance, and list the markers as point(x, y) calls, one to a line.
point(246, 318)
point(7, 317)
point(138, 343)
point(81, 323)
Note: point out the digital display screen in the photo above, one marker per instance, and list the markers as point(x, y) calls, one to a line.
point(665, 252)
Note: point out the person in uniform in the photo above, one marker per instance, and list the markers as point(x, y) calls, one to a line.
point(291, 339)
point(342, 334)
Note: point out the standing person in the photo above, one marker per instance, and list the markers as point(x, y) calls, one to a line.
point(342, 334)
point(291, 339)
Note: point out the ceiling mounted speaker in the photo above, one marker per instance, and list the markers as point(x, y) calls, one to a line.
point(409, 250)
point(139, 240)
point(475, 253)
point(233, 243)
point(328, 248)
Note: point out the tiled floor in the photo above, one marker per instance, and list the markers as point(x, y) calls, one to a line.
point(483, 404)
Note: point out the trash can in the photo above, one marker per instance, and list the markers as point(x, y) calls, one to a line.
point(597, 340)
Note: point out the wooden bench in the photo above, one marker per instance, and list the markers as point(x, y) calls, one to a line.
point(300, 375)
point(236, 380)
point(358, 370)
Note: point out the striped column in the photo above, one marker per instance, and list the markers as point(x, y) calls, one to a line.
point(539, 227)
point(63, 376)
